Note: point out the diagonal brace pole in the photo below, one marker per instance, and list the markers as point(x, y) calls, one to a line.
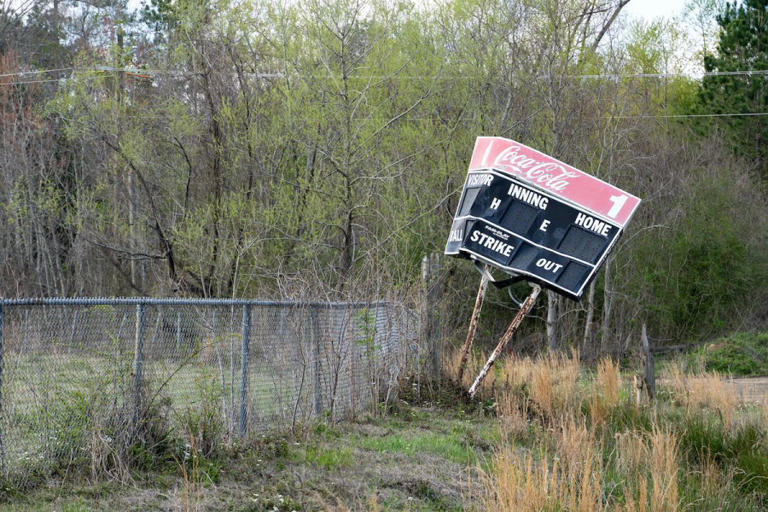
point(526, 307)
point(472, 327)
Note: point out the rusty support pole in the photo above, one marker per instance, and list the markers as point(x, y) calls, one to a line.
point(472, 327)
point(526, 307)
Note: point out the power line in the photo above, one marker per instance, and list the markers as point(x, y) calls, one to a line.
point(611, 76)
point(431, 119)
point(746, 72)
point(31, 82)
point(280, 75)
point(110, 69)
point(730, 114)
point(36, 72)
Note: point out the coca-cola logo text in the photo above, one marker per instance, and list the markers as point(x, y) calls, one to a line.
point(548, 174)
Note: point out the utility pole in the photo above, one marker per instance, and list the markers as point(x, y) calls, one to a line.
point(120, 93)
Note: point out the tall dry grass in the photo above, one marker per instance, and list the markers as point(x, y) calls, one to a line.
point(565, 477)
point(704, 390)
point(608, 381)
point(649, 463)
point(474, 364)
point(663, 459)
point(604, 394)
point(764, 414)
point(567, 467)
point(581, 465)
point(517, 374)
point(513, 415)
point(550, 381)
point(518, 482)
point(191, 492)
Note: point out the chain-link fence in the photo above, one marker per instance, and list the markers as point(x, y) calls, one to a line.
point(87, 379)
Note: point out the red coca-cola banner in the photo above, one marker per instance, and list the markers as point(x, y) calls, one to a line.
point(554, 176)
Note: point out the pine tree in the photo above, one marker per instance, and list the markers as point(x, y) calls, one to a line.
point(742, 46)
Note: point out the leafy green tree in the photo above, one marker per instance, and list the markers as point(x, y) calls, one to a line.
point(743, 46)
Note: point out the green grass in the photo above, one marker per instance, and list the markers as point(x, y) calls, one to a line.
point(328, 457)
point(448, 446)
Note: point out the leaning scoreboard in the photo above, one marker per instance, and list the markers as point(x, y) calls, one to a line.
point(531, 215)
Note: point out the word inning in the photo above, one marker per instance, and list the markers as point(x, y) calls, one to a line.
point(528, 196)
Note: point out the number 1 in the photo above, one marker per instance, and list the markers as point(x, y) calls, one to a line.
point(618, 202)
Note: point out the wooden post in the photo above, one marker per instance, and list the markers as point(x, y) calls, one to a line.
point(472, 327)
point(526, 307)
point(650, 379)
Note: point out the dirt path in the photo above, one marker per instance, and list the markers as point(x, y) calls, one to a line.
point(753, 389)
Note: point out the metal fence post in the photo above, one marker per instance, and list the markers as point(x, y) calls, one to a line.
point(430, 270)
point(178, 333)
point(244, 366)
point(73, 332)
point(26, 331)
point(315, 339)
point(138, 360)
point(2, 447)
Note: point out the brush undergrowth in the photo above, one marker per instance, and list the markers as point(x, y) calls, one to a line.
point(573, 439)
point(741, 354)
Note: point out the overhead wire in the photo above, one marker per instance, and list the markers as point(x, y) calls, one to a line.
point(138, 71)
point(724, 114)
point(31, 82)
point(611, 76)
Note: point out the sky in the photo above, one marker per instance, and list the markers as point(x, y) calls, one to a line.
point(651, 9)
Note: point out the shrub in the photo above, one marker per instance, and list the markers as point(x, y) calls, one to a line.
point(738, 354)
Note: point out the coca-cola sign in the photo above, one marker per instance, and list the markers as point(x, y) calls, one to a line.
point(554, 176)
point(535, 217)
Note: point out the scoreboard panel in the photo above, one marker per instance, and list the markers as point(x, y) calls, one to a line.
point(522, 229)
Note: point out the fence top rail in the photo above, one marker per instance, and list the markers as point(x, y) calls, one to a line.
point(156, 301)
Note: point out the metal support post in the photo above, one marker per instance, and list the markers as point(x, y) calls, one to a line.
point(178, 334)
point(472, 327)
point(526, 307)
point(315, 340)
point(430, 270)
point(244, 367)
point(2, 433)
point(138, 361)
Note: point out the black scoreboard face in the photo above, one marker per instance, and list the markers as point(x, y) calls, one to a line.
point(523, 230)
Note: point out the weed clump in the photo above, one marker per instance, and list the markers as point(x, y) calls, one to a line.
point(574, 439)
